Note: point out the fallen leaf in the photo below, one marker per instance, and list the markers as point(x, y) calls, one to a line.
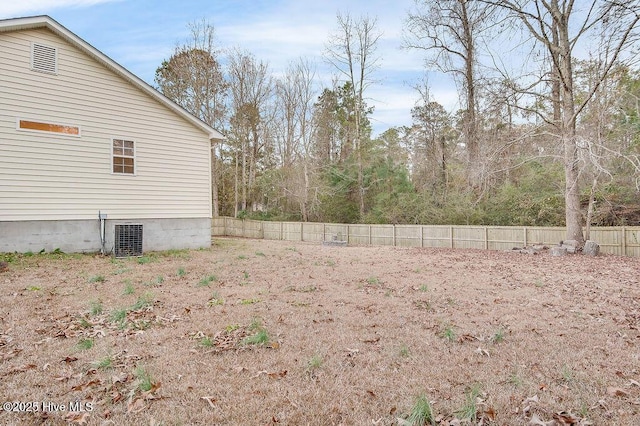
point(490, 413)
point(83, 386)
point(374, 340)
point(371, 393)
point(278, 374)
point(135, 406)
point(77, 418)
point(70, 359)
point(566, 419)
point(466, 338)
point(612, 391)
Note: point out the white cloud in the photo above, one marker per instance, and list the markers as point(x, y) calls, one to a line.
point(16, 8)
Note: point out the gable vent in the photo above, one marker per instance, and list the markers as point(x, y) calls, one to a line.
point(128, 240)
point(44, 58)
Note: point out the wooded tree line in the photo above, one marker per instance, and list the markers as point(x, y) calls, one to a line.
point(542, 139)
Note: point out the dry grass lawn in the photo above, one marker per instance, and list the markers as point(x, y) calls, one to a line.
point(267, 332)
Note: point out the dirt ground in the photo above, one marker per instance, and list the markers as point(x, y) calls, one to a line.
point(255, 332)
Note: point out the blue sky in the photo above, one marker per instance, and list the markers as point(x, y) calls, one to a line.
point(139, 34)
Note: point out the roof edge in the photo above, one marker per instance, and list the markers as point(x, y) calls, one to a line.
point(45, 21)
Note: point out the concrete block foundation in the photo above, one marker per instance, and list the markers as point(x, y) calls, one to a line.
point(83, 236)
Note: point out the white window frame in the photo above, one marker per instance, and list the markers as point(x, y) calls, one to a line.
point(133, 157)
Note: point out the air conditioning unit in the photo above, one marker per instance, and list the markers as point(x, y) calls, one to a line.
point(128, 240)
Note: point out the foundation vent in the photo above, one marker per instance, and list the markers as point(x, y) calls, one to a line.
point(128, 240)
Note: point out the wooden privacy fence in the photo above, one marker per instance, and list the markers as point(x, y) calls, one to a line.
point(623, 241)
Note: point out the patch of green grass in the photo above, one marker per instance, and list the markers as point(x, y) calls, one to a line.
point(421, 413)
point(119, 315)
point(121, 271)
point(206, 342)
point(215, 300)
point(259, 253)
point(245, 274)
point(261, 337)
point(97, 279)
point(539, 283)
point(143, 301)
point(249, 301)
point(95, 308)
point(315, 362)
point(145, 381)
point(128, 288)
point(308, 288)
point(567, 374)
point(206, 281)
point(85, 344)
point(498, 336)
point(85, 324)
point(448, 333)
point(176, 253)
point(469, 410)
point(373, 281)
point(143, 260)
point(242, 257)
point(34, 288)
point(423, 288)
point(159, 279)
point(105, 363)
point(404, 351)
point(231, 327)
point(181, 272)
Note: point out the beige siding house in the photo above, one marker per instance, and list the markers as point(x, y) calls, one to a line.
point(91, 157)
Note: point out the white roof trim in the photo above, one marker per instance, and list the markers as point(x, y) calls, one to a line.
point(35, 22)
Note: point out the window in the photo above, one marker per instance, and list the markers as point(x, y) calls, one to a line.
point(40, 126)
point(123, 156)
point(44, 58)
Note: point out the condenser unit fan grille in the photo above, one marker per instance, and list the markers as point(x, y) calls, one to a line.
point(128, 240)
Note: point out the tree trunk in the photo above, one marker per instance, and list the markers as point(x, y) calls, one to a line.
point(573, 215)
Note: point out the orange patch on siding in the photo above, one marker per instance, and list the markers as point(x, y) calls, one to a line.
point(49, 127)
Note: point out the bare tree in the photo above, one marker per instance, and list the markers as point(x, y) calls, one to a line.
point(450, 30)
point(295, 105)
point(251, 88)
point(193, 78)
point(351, 50)
point(558, 26)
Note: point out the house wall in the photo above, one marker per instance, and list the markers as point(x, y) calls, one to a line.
point(47, 176)
point(84, 235)
point(52, 186)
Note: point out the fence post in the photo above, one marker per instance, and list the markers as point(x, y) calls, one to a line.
point(369, 234)
point(451, 236)
point(243, 230)
point(525, 236)
point(348, 233)
point(624, 241)
point(394, 234)
point(421, 236)
point(486, 238)
point(301, 231)
point(281, 232)
point(324, 231)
